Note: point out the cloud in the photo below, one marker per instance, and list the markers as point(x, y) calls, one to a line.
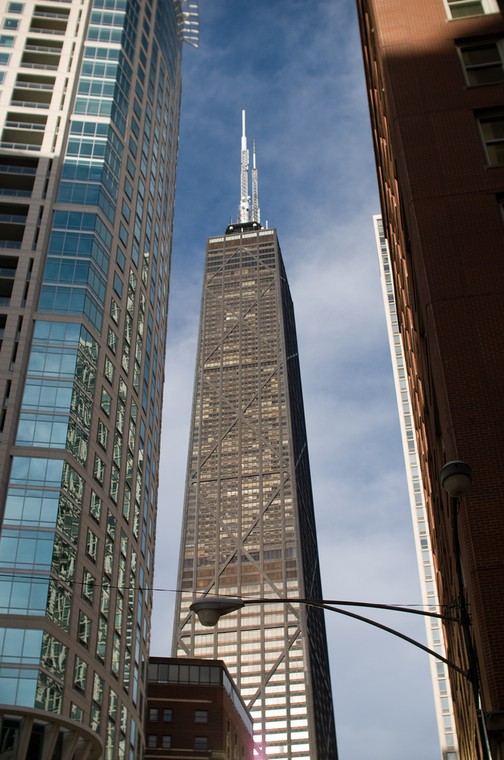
point(296, 67)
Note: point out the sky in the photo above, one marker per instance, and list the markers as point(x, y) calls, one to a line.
point(296, 68)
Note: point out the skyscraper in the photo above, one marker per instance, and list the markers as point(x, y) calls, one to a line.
point(426, 562)
point(88, 145)
point(435, 77)
point(249, 526)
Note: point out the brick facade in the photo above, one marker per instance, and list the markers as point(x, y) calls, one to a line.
point(194, 711)
point(441, 177)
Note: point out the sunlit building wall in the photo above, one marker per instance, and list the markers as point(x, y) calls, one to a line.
point(249, 527)
point(89, 114)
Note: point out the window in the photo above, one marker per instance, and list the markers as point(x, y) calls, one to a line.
point(91, 545)
point(15, 8)
point(106, 401)
point(95, 505)
point(500, 201)
point(483, 63)
point(166, 742)
point(11, 23)
point(153, 713)
point(102, 435)
point(200, 742)
point(84, 630)
point(462, 8)
point(88, 584)
point(492, 130)
point(152, 741)
point(112, 340)
point(99, 469)
point(80, 673)
point(201, 716)
point(108, 370)
point(167, 715)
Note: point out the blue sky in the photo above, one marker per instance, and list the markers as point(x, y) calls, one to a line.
point(296, 67)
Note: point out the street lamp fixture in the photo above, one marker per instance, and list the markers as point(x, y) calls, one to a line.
point(210, 609)
point(456, 479)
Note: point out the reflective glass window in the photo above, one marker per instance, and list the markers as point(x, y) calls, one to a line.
point(91, 545)
point(80, 674)
point(106, 401)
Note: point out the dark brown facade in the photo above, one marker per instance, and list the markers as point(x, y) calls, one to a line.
point(194, 711)
point(435, 82)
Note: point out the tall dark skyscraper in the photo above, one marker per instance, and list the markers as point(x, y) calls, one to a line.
point(249, 526)
point(435, 76)
point(90, 94)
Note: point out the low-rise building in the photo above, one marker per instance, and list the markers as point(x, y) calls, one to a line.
point(195, 711)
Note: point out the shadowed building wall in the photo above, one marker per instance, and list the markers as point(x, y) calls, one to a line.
point(435, 83)
point(195, 711)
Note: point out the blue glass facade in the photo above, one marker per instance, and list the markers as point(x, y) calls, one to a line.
point(86, 316)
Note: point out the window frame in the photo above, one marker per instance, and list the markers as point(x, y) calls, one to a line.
point(463, 46)
point(500, 200)
point(201, 716)
point(495, 115)
point(487, 7)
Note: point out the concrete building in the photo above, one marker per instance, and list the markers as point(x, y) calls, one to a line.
point(195, 711)
point(426, 565)
point(89, 113)
point(435, 80)
point(249, 526)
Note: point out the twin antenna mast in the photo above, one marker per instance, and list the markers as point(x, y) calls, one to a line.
point(246, 212)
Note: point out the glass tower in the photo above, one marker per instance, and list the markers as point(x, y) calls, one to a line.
point(249, 526)
point(89, 120)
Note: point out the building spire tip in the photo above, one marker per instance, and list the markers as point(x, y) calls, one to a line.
point(246, 212)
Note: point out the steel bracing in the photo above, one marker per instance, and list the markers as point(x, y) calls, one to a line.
point(249, 527)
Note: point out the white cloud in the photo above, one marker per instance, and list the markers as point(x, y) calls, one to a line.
point(296, 68)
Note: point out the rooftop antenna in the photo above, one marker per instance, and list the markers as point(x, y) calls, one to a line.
point(245, 199)
point(256, 211)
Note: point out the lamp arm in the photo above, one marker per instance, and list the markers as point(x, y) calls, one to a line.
point(392, 607)
point(344, 603)
point(400, 635)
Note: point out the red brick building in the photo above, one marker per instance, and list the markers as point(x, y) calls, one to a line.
point(194, 711)
point(435, 82)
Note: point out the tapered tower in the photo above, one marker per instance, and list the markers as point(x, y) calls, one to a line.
point(249, 526)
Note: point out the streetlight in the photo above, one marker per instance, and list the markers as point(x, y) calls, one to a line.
point(456, 479)
point(210, 609)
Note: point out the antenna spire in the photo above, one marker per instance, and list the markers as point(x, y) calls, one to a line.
point(244, 215)
point(256, 211)
point(247, 212)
